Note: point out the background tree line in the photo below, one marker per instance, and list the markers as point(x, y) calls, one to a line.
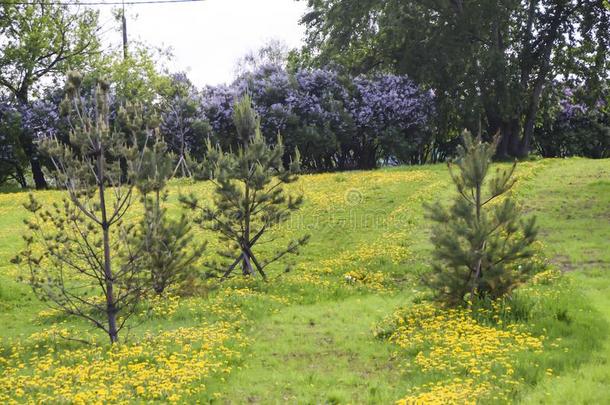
point(376, 83)
point(491, 64)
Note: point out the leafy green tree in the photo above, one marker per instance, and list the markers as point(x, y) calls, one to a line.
point(40, 41)
point(249, 195)
point(481, 244)
point(487, 61)
point(137, 78)
point(170, 254)
point(78, 252)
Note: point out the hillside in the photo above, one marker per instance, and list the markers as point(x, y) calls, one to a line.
point(307, 335)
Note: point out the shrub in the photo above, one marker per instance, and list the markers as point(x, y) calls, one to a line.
point(337, 121)
point(570, 127)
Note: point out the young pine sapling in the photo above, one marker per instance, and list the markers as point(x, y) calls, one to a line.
point(78, 252)
point(481, 244)
point(250, 198)
point(170, 253)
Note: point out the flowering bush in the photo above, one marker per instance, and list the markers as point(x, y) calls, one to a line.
point(335, 120)
point(569, 126)
point(390, 113)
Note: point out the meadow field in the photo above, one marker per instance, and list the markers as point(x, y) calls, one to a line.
point(349, 321)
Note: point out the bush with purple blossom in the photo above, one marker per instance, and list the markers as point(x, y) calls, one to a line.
point(571, 126)
point(335, 120)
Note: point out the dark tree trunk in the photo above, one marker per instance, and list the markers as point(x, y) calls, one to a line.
point(502, 151)
point(37, 174)
point(513, 128)
point(29, 148)
point(27, 143)
point(517, 133)
point(510, 135)
point(534, 104)
point(367, 156)
point(20, 177)
point(246, 265)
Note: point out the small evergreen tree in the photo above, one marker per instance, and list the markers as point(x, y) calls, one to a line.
point(249, 195)
point(78, 252)
point(480, 242)
point(168, 244)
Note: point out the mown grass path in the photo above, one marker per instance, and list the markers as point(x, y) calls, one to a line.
point(321, 353)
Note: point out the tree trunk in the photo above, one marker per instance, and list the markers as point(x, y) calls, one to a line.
point(367, 158)
point(477, 272)
point(534, 104)
point(510, 139)
point(37, 174)
point(246, 265)
point(20, 177)
point(27, 143)
point(111, 310)
point(514, 128)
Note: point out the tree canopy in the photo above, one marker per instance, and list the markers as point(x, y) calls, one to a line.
point(42, 41)
point(487, 61)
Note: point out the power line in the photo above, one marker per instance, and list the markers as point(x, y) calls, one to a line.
point(97, 3)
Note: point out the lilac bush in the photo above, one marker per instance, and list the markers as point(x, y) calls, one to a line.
point(570, 125)
point(391, 114)
point(336, 121)
point(41, 118)
point(217, 105)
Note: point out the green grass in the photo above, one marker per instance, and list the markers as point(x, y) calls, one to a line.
point(319, 353)
point(317, 344)
point(572, 201)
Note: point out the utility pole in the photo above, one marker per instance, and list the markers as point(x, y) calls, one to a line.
point(124, 24)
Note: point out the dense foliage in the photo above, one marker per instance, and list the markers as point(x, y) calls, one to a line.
point(137, 80)
point(571, 125)
point(40, 42)
point(335, 120)
point(488, 62)
point(12, 156)
point(377, 83)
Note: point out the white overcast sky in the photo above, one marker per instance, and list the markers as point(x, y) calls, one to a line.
point(207, 38)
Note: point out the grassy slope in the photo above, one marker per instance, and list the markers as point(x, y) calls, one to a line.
point(323, 352)
point(572, 200)
point(319, 348)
